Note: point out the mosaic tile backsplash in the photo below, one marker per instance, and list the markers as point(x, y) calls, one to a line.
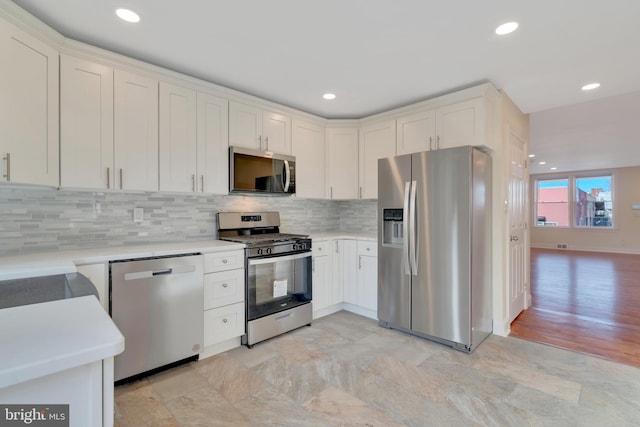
point(45, 219)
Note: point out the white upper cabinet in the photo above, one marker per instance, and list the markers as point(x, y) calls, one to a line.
point(308, 147)
point(460, 124)
point(213, 144)
point(342, 163)
point(29, 114)
point(136, 131)
point(461, 118)
point(177, 138)
point(416, 132)
point(86, 124)
point(260, 129)
point(377, 141)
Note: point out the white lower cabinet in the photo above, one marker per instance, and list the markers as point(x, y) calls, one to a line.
point(224, 323)
point(345, 276)
point(367, 288)
point(224, 301)
point(357, 272)
point(327, 291)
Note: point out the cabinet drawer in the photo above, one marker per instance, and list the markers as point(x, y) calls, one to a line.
point(367, 248)
point(221, 261)
point(320, 248)
point(221, 324)
point(223, 288)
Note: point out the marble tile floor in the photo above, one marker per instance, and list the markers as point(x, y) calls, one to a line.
point(345, 370)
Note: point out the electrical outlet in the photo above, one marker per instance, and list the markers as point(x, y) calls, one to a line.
point(138, 214)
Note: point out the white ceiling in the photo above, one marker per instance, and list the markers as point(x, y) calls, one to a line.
point(379, 54)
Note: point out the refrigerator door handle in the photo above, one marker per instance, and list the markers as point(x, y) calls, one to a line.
point(413, 241)
point(405, 229)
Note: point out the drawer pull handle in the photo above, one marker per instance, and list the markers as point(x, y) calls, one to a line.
point(224, 285)
point(224, 320)
point(224, 261)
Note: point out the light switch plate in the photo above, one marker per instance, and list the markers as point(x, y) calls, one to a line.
point(138, 214)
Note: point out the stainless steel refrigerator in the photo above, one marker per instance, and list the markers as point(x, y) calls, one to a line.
point(434, 245)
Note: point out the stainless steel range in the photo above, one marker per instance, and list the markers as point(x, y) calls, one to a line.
point(277, 273)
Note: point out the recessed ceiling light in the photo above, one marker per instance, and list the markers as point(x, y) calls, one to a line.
point(591, 86)
point(542, 163)
point(329, 96)
point(506, 28)
point(554, 168)
point(531, 156)
point(128, 15)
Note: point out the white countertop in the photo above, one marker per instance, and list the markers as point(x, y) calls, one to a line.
point(49, 263)
point(42, 339)
point(344, 235)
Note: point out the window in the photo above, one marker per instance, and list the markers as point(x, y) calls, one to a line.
point(592, 206)
point(553, 203)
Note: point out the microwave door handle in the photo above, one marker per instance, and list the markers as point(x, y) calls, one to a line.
point(287, 176)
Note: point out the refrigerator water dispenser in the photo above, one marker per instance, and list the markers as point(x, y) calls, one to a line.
point(392, 234)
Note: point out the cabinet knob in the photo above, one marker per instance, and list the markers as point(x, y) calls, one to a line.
point(224, 285)
point(224, 320)
point(224, 261)
point(368, 249)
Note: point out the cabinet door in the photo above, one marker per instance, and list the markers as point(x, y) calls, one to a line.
point(221, 324)
point(416, 133)
point(276, 132)
point(321, 282)
point(377, 141)
point(177, 138)
point(213, 144)
point(136, 131)
point(342, 163)
point(308, 147)
point(460, 124)
point(29, 114)
point(348, 270)
point(86, 124)
point(245, 126)
point(368, 282)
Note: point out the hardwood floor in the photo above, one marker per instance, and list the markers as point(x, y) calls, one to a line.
point(584, 301)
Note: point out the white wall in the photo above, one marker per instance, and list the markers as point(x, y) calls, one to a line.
point(509, 119)
point(623, 238)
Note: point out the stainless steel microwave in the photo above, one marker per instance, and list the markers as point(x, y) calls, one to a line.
point(261, 172)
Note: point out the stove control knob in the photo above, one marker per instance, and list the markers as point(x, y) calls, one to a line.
point(268, 250)
point(259, 251)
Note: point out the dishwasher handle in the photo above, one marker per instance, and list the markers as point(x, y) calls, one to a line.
point(162, 272)
point(150, 273)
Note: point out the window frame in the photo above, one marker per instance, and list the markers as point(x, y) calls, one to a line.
point(584, 175)
point(569, 210)
point(572, 178)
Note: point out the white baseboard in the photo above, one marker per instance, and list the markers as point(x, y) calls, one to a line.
point(501, 328)
point(371, 314)
point(220, 347)
point(628, 251)
point(327, 311)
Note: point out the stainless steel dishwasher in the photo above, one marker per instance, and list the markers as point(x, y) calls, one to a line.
point(157, 304)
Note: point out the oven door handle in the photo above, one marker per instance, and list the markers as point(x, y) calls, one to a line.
point(274, 259)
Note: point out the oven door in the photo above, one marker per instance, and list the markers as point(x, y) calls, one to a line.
point(277, 283)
